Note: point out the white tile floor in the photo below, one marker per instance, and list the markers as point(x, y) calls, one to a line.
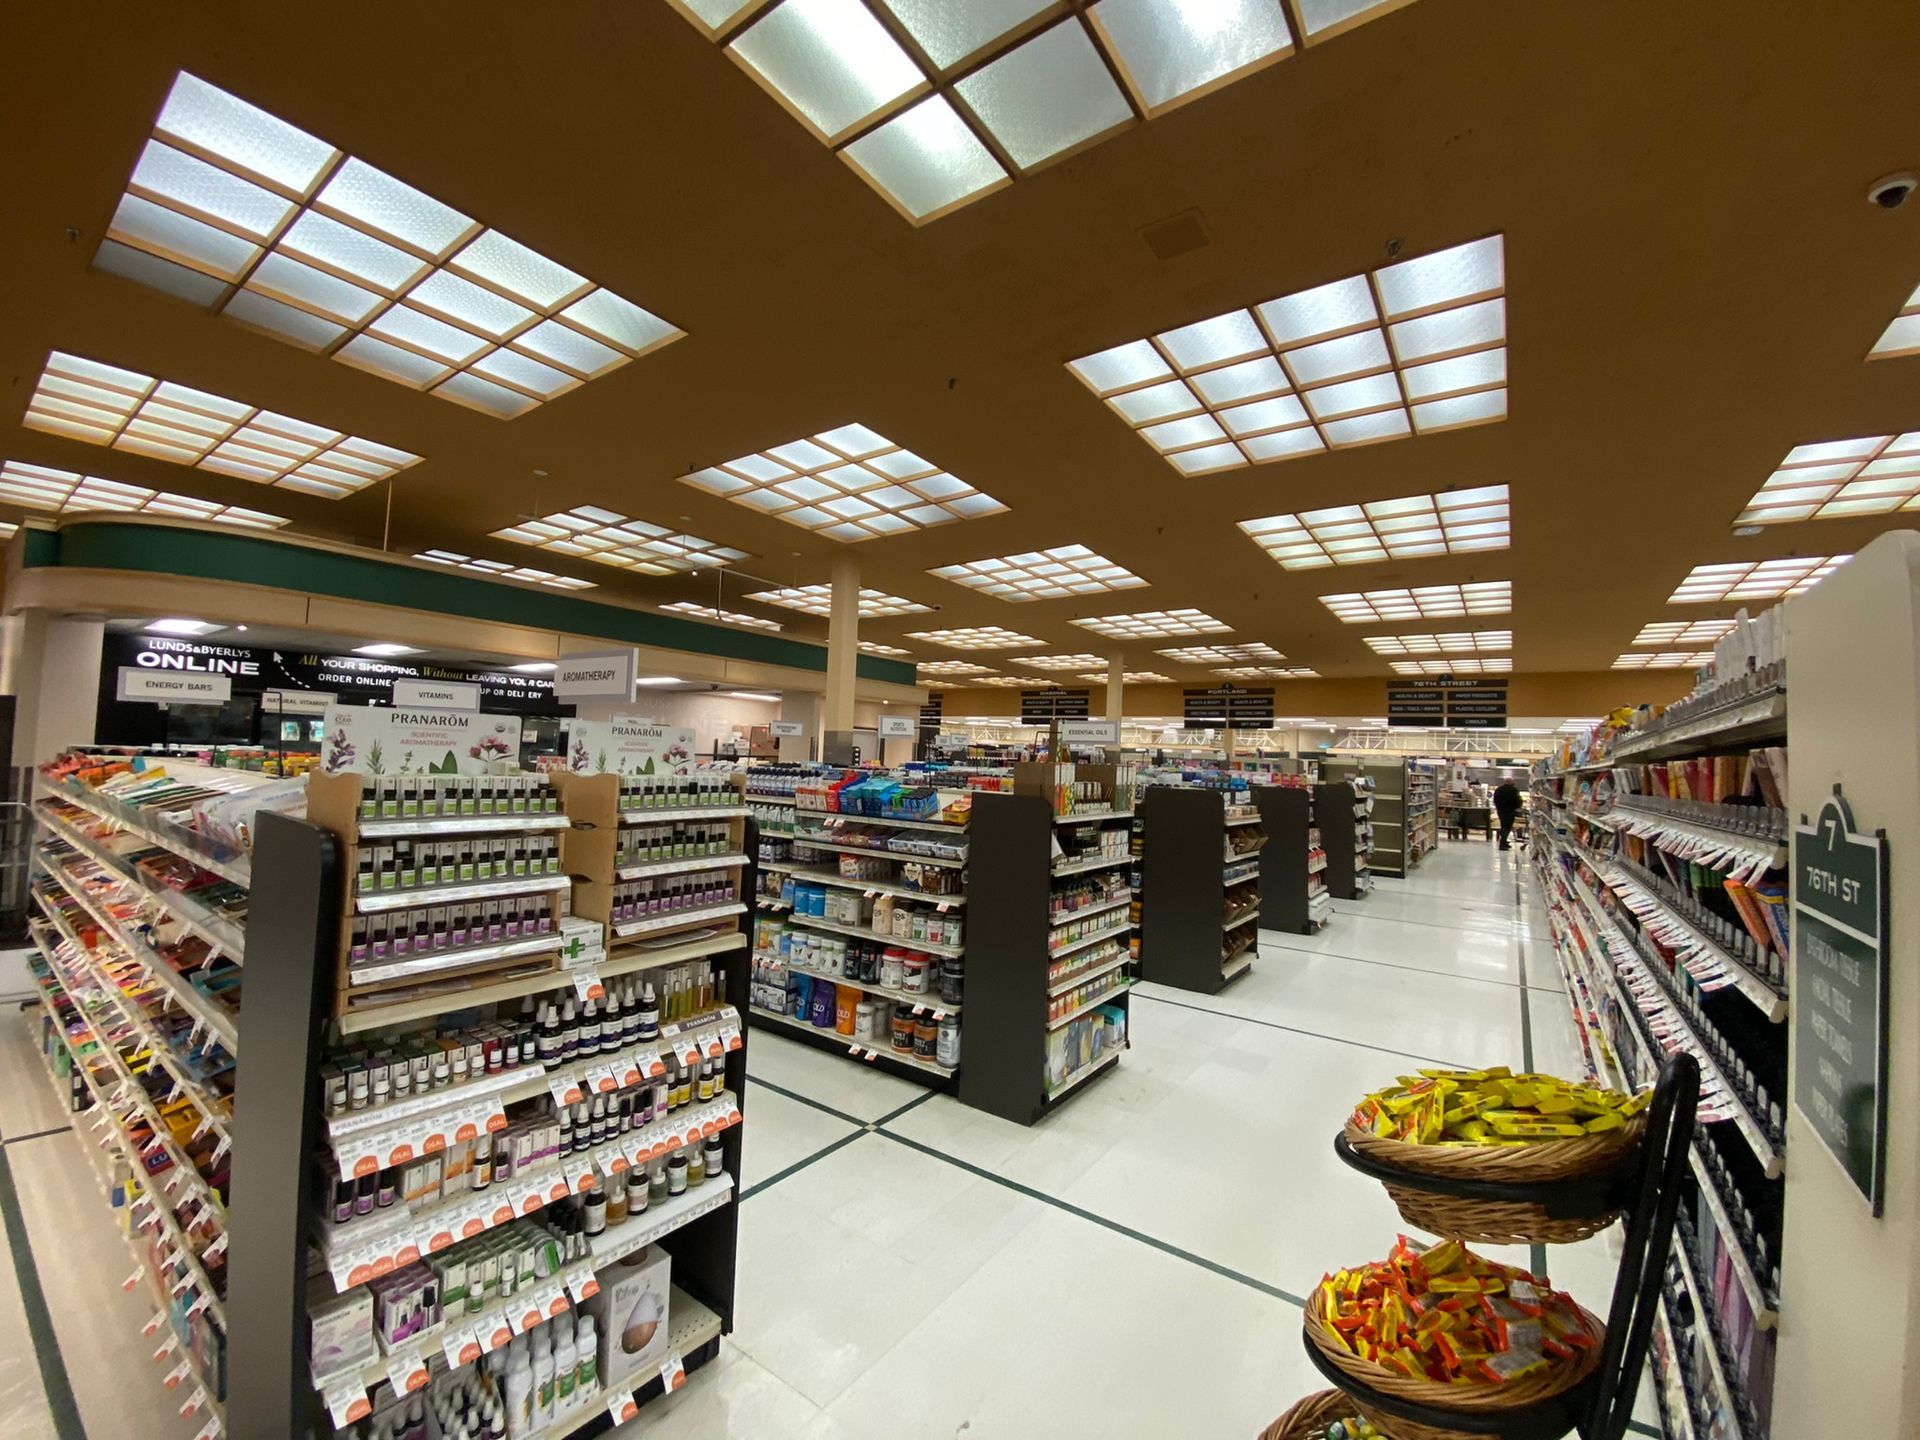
point(914, 1270)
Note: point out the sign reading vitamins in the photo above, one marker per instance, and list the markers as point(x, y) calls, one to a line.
point(604, 675)
point(436, 694)
point(401, 741)
point(629, 747)
point(177, 687)
point(897, 727)
point(1840, 996)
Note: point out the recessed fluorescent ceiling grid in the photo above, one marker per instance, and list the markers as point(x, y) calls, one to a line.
point(1427, 602)
point(1417, 346)
point(1755, 580)
point(1135, 677)
point(725, 617)
point(818, 600)
point(607, 537)
point(952, 667)
point(975, 637)
point(1403, 529)
point(105, 405)
point(1902, 336)
point(1222, 654)
point(1155, 625)
point(500, 570)
point(1682, 632)
point(66, 492)
point(1063, 662)
point(1875, 475)
point(1665, 660)
point(936, 103)
point(1457, 643)
point(237, 210)
point(1491, 665)
point(874, 647)
point(848, 484)
point(1269, 672)
point(1042, 574)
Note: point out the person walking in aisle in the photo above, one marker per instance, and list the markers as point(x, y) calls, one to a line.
point(1506, 803)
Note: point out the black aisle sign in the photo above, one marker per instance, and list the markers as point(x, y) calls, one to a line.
point(1840, 1003)
point(1037, 707)
point(1229, 707)
point(934, 711)
point(1465, 702)
point(1416, 704)
point(1481, 706)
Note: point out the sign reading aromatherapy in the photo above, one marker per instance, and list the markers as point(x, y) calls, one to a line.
point(1038, 707)
point(605, 675)
point(1229, 707)
point(383, 741)
point(1840, 905)
point(626, 746)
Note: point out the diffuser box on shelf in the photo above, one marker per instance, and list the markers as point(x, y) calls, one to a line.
point(630, 1313)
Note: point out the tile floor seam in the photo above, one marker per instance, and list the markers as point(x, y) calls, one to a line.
point(1412, 969)
point(61, 1404)
point(819, 1105)
point(36, 1135)
point(1295, 1030)
point(794, 1169)
point(1429, 924)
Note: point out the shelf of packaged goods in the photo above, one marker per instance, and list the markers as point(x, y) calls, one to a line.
point(1631, 889)
point(1604, 820)
point(1097, 862)
point(1252, 912)
point(1074, 1079)
point(1230, 878)
point(378, 901)
point(690, 1326)
point(1092, 817)
point(836, 847)
point(927, 947)
point(1315, 867)
point(753, 799)
point(660, 814)
point(1243, 819)
point(1236, 965)
point(1705, 1313)
point(427, 826)
point(1765, 1317)
point(927, 1000)
point(197, 1004)
point(1109, 933)
point(222, 934)
point(1735, 723)
point(1064, 917)
point(654, 924)
point(685, 865)
point(1080, 977)
point(1676, 1421)
point(855, 1046)
point(1085, 1005)
point(835, 880)
point(379, 1016)
point(203, 851)
point(460, 959)
point(1694, 838)
point(940, 826)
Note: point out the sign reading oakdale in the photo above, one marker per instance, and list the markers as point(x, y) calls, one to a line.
point(382, 741)
point(626, 745)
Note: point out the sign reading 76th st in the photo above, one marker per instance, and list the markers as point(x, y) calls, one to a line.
point(1840, 995)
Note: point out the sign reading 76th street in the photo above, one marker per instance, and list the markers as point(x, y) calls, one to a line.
point(1840, 995)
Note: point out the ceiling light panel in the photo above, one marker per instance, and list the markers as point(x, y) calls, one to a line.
point(1876, 475)
point(1902, 336)
point(322, 250)
point(607, 537)
point(105, 405)
point(1269, 672)
point(1154, 625)
point(1750, 580)
point(1064, 662)
point(848, 484)
point(723, 617)
point(1007, 682)
point(1427, 602)
point(500, 570)
point(818, 600)
point(1456, 643)
point(1405, 529)
point(1488, 665)
point(1324, 19)
point(1134, 677)
point(66, 492)
point(1415, 347)
point(948, 34)
point(1173, 51)
point(874, 647)
point(1664, 660)
point(1047, 97)
point(1063, 571)
point(1222, 654)
point(975, 637)
point(952, 667)
point(1682, 632)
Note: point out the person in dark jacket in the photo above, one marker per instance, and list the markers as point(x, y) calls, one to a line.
point(1506, 804)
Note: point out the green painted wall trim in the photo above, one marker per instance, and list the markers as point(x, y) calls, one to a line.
point(262, 560)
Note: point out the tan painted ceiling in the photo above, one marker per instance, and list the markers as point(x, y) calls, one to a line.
point(1693, 277)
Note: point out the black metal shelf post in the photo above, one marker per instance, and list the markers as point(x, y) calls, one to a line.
point(1181, 888)
point(1286, 816)
point(1333, 804)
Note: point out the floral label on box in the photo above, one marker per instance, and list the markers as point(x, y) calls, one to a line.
point(629, 747)
point(396, 741)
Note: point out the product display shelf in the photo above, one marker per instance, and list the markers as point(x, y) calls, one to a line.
point(1287, 863)
point(442, 827)
point(1740, 721)
point(1635, 889)
point(1762, 832)
point(1670, 1388)
point(828, 818)
point(1190, 860)
point(861, 1049)
point(1765, 1313)
point(683, 866)
point(226, 861)
point(674, 921)
point(1021, 1048)
point(1092, 817)
point(1341, 813)
point(1422, 813)
point(381, 901)
point(1386, 780)
point(1584, 1023)
point(817, 840)
point(1737, 1414)
point(813, 922)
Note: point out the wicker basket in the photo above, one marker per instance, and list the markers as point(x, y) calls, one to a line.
point(1500, 1222)
point(1310, 1418)
point(1477, 1400)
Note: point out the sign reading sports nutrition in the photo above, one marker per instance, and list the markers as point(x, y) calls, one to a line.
point(377, 740)
point(1840, 1000)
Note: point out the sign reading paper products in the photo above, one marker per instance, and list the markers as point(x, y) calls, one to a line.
point(603, 675)
point(176, 687)
point(623, 746)
point(436, 694)
point(1840, 897)
point(897, 727)
point(400, 741)
point(1089, 732)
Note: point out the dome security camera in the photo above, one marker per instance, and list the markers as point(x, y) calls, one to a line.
point(1890, 192)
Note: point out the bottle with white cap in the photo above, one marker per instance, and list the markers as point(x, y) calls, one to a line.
point(566, 1361)
point(587, 1364)
point(543, 1380)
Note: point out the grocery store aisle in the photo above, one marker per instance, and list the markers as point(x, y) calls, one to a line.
point(911, 1269)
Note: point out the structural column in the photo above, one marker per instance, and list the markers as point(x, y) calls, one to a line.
point(53, 667)
point(1116, 684)
point(843, 653)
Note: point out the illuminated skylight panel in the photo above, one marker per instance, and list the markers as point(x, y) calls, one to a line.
point(1682, 632)
point(1403, 529)
point(607, 537)
point(1154, 625)
point(1487, 665)
point(1222, 654)
point(874, 647)
point(1324, 19)
point(1663, 660)
point(1750, 580)
point(1454, 643)
point(1902, 336)
point(1054, 574)
point(975, 637)
point(1007, 682)
point(952, 667)
point(1415, 347)
point(1427, 602)
point(818, 600)
point(848, 484)
point(723, 617)
point(1876, 475)
point(66, 492)
point(1268, 672)
point(1134, 677)
point(322, 250)
point(105, 405)
point(1063, 662)
point(1173, 51)
point(830, 62)
point(500, 570)
point(1048, 96)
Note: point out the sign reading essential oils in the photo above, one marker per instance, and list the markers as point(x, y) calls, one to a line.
point(1840, 904)
point(395, 741)
point(1090, 732)
point(629, 747)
